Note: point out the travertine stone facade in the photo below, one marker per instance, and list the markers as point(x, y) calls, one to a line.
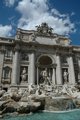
point(24, 58)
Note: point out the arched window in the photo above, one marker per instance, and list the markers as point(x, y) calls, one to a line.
point(6, 72)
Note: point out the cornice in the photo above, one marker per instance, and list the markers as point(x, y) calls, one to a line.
point(7, 40)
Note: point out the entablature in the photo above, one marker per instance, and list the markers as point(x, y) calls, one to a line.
point(6, 40)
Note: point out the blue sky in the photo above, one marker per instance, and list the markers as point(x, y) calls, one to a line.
point(62, 15)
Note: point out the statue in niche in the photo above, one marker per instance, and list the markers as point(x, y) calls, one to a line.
point(24, 74)
point(46, 77)
point(65, 76)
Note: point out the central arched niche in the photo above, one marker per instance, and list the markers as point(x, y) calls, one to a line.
point(45, 60)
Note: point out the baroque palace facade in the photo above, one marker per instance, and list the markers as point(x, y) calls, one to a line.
point(25, 58)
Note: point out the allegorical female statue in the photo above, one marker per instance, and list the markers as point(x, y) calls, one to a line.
point(65, 76)
point(24, 74)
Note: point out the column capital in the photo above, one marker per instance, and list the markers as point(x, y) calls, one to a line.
point(58, 52)
point(78, 56)
point(2, 49)
point(54, 66)
point(17, 47)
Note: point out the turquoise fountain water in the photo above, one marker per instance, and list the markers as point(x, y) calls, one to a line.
point(71, 115)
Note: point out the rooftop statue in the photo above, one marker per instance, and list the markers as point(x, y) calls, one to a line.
point(44, 29)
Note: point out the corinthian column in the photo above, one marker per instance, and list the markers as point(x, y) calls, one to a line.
point(32, 69)
point(79, 68)
point(79, 63)
point(58, 70)
point(1, 64)
point(16, 67)
point(53, 77)
point(71, 70)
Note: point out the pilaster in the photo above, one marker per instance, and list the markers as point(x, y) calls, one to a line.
point(32, 68)
point(79, 68)
point(1, 64)
point(58, 70)
point(79, 63)
point(71, 70)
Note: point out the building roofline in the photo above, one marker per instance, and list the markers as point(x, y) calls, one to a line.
point(7, 38)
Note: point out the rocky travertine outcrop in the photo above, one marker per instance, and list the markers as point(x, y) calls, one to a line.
point(20, 103)
point(2, 92)
point(60, 104)
point(33, 99)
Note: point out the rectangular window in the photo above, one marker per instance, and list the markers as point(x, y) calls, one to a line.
point(6, 73)
point(8, 55)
